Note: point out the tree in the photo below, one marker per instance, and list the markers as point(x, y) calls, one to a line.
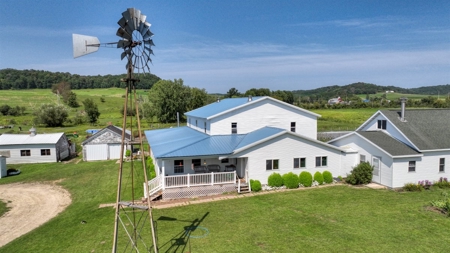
point(91, 110)
point(62, 89)
point(198, 98)
point(169, 97)
point(72, 100)
point(51, 115)
point(233, 92)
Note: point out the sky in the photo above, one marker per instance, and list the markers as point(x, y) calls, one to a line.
point(243, 44)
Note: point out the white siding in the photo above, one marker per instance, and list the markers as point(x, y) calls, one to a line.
point(96, 152)
point(35, 153)
point(427, 168)
point(285, 149)
point(266, 113)
point(369, 151)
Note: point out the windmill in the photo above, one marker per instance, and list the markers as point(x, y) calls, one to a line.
point(131, 216)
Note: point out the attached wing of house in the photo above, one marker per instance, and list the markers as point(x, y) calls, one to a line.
point(405, 147)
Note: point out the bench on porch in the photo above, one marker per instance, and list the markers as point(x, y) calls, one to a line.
point(213, 168)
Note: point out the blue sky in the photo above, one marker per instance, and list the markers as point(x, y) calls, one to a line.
point(217, 45)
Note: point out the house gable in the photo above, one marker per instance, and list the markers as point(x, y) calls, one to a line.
point(109, 134)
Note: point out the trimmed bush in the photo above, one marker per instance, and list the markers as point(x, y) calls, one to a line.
point(327, 177)
point(275, 180)
point(305, 179)
point(318, 177)
point(361, 174)
point(255, 185)
point(290, 180)
point(411, 187)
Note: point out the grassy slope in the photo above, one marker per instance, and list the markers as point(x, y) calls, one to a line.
point(336, 219)
point(342, 119)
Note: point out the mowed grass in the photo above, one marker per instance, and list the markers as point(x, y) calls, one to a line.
point(328, 219)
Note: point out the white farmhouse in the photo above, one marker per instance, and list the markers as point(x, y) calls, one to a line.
point(35, 148)
point(247, 138)
point(404, 146)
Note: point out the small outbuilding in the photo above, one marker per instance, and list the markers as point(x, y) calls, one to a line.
point(35, 148)
point(104, 144)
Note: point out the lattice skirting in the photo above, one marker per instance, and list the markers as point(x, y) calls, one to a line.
point(197, 191)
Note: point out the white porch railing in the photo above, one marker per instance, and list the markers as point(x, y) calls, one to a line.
point(154, 185)
point(189, 180)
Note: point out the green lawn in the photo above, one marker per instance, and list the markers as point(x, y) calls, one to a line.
point(342, 119)
point(328, 219)
point(3, 208)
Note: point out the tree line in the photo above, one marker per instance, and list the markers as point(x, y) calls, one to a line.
point(40, 79)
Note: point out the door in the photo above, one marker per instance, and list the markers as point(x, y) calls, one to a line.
point(376, 174)
point(114, 151)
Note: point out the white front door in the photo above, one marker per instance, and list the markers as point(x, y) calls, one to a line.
point(376, 174)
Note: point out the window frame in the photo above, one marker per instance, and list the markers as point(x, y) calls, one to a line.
point(178, 169)
point(293, 126)
point(25, 152)
point(196, 162)
point(412, 166)
point(301, 162)
point(442, 164)
point(321, 161)
point(362, 158)
point(45, 153)
point(272, 163)
point(233, 127)
point(382, 124)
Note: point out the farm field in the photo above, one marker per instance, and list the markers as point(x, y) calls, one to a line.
point(396, 96)
point(342, 119)
point(327, 219)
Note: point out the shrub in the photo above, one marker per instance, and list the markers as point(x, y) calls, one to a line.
point(411, 187)
point(442, 183)
point(305, 179)
point(150, 168)
point(318, 177)
point(128, 153)
point(361, 174)
point(275, 180)
point(290, 180)
point(443, 204)
point(255, 185)
point(327, 177)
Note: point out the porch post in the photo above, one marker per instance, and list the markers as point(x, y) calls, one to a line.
point(163, 176)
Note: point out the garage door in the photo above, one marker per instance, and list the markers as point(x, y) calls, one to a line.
point(114, 151)
point(96, 152)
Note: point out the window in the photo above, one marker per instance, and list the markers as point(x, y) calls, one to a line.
point(412, 166)
point(196, 123)
point(382, 124)
point(376, 166)
point(234, 128)
point(205, 127)
point(272, 164)
point(321, 161)
point(196, 162)
point(293, 127)
point(299, 163)
point(442, 165)
point(25, 152)
point(224, 160)
point(178, 166)
point(362, 158)
point(45, 152)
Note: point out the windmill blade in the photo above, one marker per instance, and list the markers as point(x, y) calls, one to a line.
point(149, 42)
point(147, 35)
point(143, 18)
point(83, 45)
point(123, 34)
point(123, 43)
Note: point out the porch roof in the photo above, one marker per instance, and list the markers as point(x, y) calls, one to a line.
point(187, 142)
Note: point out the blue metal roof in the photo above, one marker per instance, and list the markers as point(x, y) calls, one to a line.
point(187, 142)
point(218, 107)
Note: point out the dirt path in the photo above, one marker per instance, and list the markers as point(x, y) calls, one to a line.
point(31, 206)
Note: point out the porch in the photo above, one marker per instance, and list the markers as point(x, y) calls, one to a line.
point(194, 185)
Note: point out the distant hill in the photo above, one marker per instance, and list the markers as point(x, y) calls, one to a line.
point(369, 88)
point(40, 79)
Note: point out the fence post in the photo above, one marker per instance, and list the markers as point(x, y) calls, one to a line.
point(212, 178)
point(188, 180)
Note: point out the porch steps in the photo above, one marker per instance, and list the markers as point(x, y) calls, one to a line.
point(244, 188)
point(156, 195)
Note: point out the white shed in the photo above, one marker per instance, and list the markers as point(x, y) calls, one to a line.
point(104, 144)
point(35, 148)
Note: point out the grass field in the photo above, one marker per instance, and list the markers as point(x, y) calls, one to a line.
point(342, 119)
point(328, 219)
point(396, 96)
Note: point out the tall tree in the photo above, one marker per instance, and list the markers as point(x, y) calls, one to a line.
point(169, 97)
point(233, 92)
point(51, 115)
point(91, 110)
point(198, 98)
